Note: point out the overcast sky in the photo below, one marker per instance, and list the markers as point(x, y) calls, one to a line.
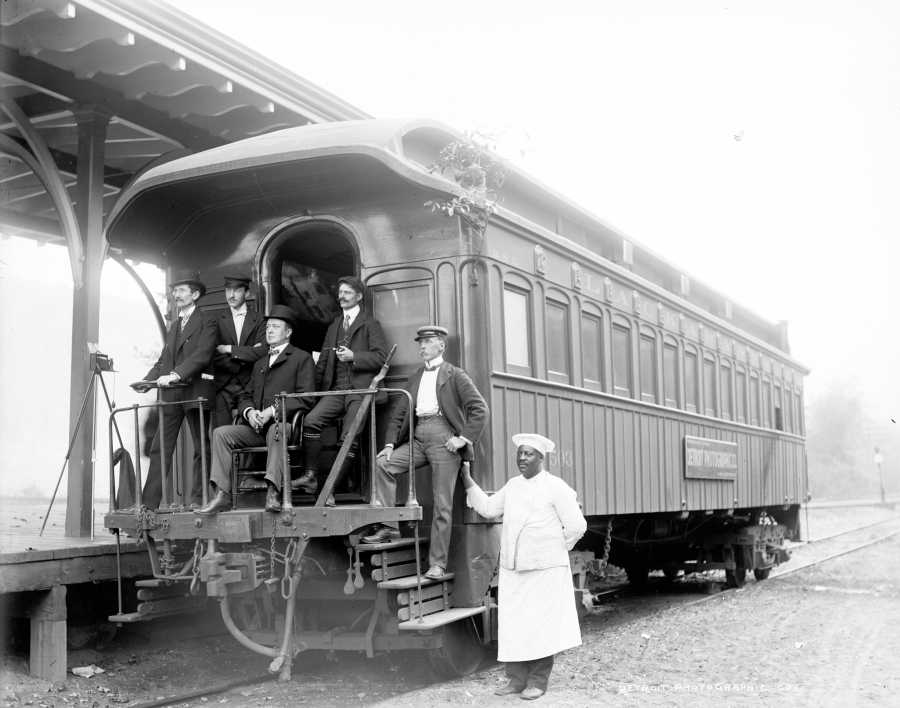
point(632, 110)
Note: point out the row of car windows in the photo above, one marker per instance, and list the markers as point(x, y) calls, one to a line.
point(667, 371)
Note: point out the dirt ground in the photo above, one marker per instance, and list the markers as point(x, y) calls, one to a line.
point(826, 635)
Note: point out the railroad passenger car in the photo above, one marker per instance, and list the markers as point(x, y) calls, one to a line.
point(678, 414)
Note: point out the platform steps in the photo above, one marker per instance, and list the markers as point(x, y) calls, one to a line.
point(425, 604)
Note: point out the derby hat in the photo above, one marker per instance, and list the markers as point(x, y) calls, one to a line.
point(430, 331)
point(238, 280)
point(189, 277)
point(284, 313)
point(354, 283)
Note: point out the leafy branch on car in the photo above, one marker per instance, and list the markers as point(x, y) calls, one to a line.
point(473, 163)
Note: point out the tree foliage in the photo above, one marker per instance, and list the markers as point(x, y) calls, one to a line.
point(473, 163)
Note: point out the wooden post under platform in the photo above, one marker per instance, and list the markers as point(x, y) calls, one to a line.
point(46, 609)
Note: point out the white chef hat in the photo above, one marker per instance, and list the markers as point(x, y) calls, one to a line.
point(538, 442)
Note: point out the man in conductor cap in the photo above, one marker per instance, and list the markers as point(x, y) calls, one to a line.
point(352, 354)
point(285, 369)
point(242, 334)
point(448, 418)
point(541, 524)
point(186, 358)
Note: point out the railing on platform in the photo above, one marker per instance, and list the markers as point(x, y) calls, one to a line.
point(138, 481)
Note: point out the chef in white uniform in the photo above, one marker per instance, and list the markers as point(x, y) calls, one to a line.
point(541, 524)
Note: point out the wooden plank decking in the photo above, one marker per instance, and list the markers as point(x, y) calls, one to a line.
point(32, 562)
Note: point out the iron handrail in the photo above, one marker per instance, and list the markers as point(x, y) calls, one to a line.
point(411, 501)
point(138, 481)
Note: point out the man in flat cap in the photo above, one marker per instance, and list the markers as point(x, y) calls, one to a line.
point(541, 524)
point(448, 418)
point(352, 354)
point(285, 369)
point(242, 333)
point(187, 357)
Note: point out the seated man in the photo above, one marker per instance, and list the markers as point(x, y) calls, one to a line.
point(449, 417)
point(285, 369)
point(352, 354)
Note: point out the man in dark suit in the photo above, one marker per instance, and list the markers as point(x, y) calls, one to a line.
point(242, 332)
point(285, 369)
point(187, 357)
point(449, 417)
point(353, 353)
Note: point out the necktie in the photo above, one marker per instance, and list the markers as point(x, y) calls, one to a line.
point(272, 351)
point(346, 322)
point(431, 368)
point(184, 322)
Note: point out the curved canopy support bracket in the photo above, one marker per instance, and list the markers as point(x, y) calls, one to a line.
point(42, 164)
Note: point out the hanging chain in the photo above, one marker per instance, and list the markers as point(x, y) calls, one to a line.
point(195, 581)
point(605, 560)
point(272, 552)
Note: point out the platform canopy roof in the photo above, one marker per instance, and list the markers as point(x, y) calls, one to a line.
point(169, 84)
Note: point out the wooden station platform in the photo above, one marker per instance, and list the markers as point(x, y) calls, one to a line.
point(35, 570)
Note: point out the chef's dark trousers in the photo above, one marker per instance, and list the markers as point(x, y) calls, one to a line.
point(536, 672)
point(173, 418)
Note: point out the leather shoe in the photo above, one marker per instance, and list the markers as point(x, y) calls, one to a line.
point(133, 509)
point(507, 690)
point(385, 534)
point(273, 499)
point(306, 483)
point(330, 502)
point(435, 572)
point(530, 693)
point(220, 502)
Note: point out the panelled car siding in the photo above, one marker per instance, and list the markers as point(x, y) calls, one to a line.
point(625, 460)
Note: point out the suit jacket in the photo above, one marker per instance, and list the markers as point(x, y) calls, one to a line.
point(190, 355)
point(460, 402)
point(244, 352)
point(291, 372)
point(369, 351)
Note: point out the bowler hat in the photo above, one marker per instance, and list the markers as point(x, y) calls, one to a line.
point(285, 313)
point(354, 283)
point(238, 280)
point(189, 277)
point(430, 331)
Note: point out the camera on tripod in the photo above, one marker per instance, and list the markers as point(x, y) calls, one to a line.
point(101, 362)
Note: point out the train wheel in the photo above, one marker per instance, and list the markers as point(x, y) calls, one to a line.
point(761, 573)
point(462, 650)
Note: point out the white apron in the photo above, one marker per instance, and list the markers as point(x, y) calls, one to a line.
point(537, 613)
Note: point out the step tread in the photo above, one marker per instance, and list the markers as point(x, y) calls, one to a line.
point(439, 619)
point(410, 582)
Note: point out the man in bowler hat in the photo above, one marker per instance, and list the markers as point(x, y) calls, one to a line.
point(286, 369)
point(187, 357)
point(242, 333)
point(448, 418)
point(352, 354)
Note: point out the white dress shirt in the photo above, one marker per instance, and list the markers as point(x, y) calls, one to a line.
point(278, 350)
point(352, 313)
point(185, 314)
point(238, 316)
point(426, 400)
